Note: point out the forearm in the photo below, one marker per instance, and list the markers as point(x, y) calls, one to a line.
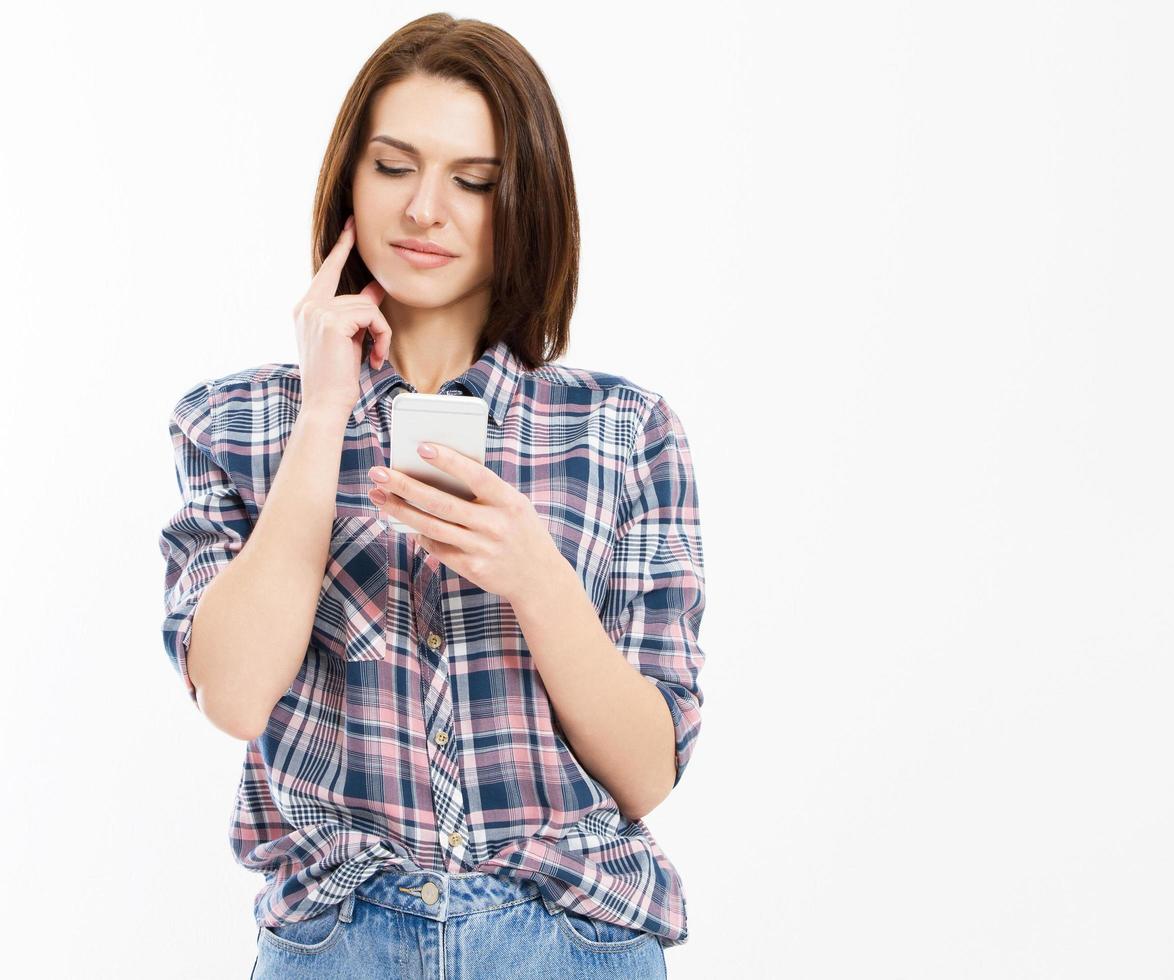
point(253, 622)
point(618, 723)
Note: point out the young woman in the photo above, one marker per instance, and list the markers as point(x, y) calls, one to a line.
point(452, 736)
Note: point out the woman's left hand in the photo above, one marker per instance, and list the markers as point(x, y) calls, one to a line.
point(497, 540)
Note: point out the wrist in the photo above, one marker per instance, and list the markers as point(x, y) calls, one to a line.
point(324, 414)
point(547, 584)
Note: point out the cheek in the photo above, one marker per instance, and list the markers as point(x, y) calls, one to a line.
point(360, 188)
point(377, 197)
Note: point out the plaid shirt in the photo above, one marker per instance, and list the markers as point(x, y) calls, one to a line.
point(417, 734)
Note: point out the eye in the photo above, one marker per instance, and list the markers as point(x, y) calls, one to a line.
point(399, 171)
point(479, 188)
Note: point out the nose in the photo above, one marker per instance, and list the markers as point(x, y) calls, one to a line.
point(424, 204)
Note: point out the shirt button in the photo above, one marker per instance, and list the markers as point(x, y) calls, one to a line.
point(442, 738)
point(433, 641)
point(454, 838)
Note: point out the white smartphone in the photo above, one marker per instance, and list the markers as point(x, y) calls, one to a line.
point(459, 422)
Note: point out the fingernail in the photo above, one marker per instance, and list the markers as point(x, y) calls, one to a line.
point(426, 450)
point(379, 473)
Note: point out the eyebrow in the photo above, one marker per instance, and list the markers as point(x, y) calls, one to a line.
point(408, 148)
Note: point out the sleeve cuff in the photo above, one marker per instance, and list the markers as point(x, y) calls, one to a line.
point(686, 721)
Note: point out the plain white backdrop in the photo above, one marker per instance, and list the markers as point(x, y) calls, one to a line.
point(904, 272)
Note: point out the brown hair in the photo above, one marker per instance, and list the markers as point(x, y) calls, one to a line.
point(535, 217)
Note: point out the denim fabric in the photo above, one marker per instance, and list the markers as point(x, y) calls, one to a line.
point(476, 926)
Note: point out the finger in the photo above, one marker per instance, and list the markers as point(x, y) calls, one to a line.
point(325, 282)
point(436, 528)
point(378, 326)
point(373, 291)
point(368, 315)
point(486, 485)
point(447, 506)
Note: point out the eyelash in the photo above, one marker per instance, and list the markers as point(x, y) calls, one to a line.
point(399, 171)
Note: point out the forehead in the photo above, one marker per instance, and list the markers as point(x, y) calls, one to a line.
point(442, 118)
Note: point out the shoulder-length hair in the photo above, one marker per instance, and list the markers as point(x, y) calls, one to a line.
point(535, 217)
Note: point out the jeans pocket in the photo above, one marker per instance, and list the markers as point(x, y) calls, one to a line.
point(314, 935)
point(600, 935)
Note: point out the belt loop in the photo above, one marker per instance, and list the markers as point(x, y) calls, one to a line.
point(348, 908)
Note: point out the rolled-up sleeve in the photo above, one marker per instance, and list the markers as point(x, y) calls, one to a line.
point(656, 591)
point(207, 531)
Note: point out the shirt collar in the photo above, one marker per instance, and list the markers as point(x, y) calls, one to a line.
point(493, 377)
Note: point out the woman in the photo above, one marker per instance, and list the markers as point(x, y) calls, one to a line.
point(453, 735)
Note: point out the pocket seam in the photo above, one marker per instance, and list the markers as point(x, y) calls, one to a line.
point(342, 530)
point(600, 945)
point(321, 946)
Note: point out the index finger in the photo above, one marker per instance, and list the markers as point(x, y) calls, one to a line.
point(325, 282)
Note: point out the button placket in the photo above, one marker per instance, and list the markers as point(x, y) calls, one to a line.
point(447, 795)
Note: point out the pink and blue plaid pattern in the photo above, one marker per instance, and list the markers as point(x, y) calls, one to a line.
point(417, 733)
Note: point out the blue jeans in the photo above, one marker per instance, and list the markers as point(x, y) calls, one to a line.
point(434, 926)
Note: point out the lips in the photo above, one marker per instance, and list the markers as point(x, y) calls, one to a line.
point(417, 245)
point(422, 260)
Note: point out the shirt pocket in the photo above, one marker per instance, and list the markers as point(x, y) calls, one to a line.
point(351, 619)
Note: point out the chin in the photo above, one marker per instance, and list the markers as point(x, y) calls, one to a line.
point(424, 297)
point(425, 294)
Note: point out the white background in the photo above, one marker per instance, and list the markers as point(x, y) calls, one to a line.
point(904, 272)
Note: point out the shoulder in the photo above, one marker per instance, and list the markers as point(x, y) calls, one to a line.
point(197, 410)
point(610, 391)
point(638, 408)
point(269, 376)
point(209, 393)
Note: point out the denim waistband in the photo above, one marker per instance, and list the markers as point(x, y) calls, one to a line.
point(440, 896)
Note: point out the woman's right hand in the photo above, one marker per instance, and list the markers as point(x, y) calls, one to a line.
point(331, 329)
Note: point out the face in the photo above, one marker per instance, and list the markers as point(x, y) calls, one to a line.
point(412, 181)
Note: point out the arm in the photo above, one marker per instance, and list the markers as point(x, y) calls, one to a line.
point(625, 688)
point(241, 601)
point(617, 725)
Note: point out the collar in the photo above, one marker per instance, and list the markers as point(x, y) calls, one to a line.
point(493, 377)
